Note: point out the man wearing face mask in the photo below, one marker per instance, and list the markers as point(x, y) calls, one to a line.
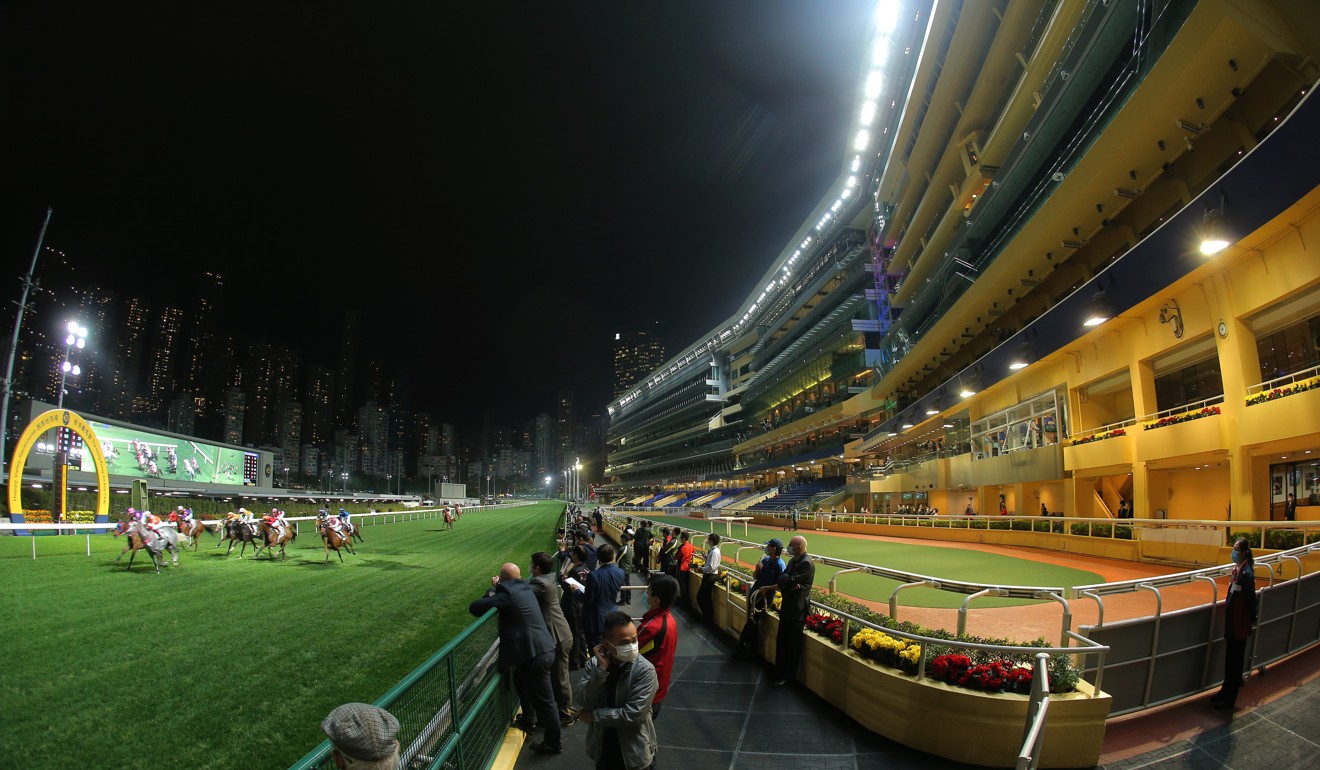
point(614, 699)
point(1239, 619)
point(795, 593)
point(657, 636)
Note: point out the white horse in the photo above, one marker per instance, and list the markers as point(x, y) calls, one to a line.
point(167, 539)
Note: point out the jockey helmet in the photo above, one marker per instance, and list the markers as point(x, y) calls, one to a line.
point(343, 510)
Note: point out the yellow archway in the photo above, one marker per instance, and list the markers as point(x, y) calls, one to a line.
point(58, 418)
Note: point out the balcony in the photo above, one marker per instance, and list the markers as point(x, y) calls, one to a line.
point(1108, 445)
point(1183, 430)
point(1282, 408)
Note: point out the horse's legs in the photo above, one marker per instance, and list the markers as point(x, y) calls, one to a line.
point(132, 555)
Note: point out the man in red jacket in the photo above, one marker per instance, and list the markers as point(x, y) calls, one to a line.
point(685, 551)
point(657, 634)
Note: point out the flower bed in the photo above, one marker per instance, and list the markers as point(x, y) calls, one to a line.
point(1164, 422)
point(1284, 391)
point(1115, 433)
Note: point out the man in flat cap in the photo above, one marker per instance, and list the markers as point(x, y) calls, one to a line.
point(364, 737)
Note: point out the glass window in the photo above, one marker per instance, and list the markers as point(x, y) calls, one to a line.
point(1189, 384)
point(1290, 349)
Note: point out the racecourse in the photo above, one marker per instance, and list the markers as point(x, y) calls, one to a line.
point(228, 663)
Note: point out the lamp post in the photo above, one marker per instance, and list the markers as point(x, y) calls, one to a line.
point(344, 476)
point(77, 338)
point(577, 478)
point(547, 487)
point(564, 473)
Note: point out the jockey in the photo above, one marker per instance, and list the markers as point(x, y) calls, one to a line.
point(345, 517)
point(186, 514)
point(276, 520)
point(245, 515)
point(150, 521)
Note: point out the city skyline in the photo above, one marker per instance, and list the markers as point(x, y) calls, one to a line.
point(480, 228)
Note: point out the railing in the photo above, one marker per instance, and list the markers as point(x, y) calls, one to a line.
point(1038, 708)
point(1287, 379)
point(29, 529)
point(453, 710)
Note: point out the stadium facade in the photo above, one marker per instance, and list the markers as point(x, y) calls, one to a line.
point(1003, 302)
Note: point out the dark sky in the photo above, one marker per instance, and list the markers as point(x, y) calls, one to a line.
point(503, 184)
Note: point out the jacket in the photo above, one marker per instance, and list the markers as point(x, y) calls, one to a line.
point(657, 639)
point(1240, 604)
point(546, 589)
point(523, 634)
point(632, 720)
point(602, 589)
point(795, 588)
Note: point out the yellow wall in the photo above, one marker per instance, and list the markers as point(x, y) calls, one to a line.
point(1193, 494)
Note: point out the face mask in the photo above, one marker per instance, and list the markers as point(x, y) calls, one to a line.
point(1237, 556)
point(646, 598)
point(625, 653)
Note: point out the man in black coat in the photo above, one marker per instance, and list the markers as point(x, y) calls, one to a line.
point(643, 545)
point(602, 589)
point(795, 593)
point(527, 649)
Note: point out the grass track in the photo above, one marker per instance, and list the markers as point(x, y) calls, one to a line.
point(235, 661)
point(935, 561)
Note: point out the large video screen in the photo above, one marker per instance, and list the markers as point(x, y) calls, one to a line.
point(130, 452)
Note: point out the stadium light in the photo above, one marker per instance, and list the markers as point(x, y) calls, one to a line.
point(77, 338)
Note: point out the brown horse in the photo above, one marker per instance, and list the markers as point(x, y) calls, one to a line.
point(191, 529)
point(272, 536)
point(237, 531)
point(334, 539)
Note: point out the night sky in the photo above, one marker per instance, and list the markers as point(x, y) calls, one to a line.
point(499, 187)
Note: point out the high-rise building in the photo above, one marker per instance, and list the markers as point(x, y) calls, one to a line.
point(564, 425)
point(448, 440)
point(182, 416)
point(636, 354)
point(206, 374)
point(289, 433)
point(543, 442)
point(319, 401)
point(132, 352)
point(374, 437)
point(235, 415)
point(165, 352)
point(346, 383)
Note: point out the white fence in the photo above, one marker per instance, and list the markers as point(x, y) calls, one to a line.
point(383, 517)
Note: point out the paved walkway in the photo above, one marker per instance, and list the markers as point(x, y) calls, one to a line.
point(721, 714)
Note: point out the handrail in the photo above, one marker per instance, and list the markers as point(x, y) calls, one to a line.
point(1261, 387)
point(1033, 736)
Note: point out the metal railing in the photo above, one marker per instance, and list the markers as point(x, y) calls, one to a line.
point(1287, 379)
point(1038, 709)
point(453, 710)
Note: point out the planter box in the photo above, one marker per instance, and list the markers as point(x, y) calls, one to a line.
point(1117, 451)
point(986, 728)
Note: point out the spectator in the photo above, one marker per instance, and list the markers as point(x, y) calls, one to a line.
point(546, 589)
point(614, 697)
point(710, 572)
point(1239, 619)
point(657, 637)
point(643, 548)
point(584, 539)
point(1290, 508)
point(765, 580)
point(526, 649)
point(668, 545)
point(602, 589)
point(363, 737)
point(685, 551)
point(599, 519)
point(795, 592)
point(625, 562)
point(575, 568)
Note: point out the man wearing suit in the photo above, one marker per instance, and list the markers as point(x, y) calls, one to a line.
point(545, 585)
point(602, 588)
point(526, 649)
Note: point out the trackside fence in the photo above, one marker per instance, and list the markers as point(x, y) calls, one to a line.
point(453, 710)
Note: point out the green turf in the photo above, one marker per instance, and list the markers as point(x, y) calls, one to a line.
point(935, 561)
point(222, 663)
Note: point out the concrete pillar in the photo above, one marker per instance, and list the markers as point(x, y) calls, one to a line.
point(1144, 503)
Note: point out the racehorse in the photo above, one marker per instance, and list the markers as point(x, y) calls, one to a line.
point(193, 529)
point(238, 531)
point(272, 536)
point(335, 539)
point(449, 519)
point(140, 537)
point(354, 531)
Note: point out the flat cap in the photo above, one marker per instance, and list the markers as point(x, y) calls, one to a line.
point(362, 731)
